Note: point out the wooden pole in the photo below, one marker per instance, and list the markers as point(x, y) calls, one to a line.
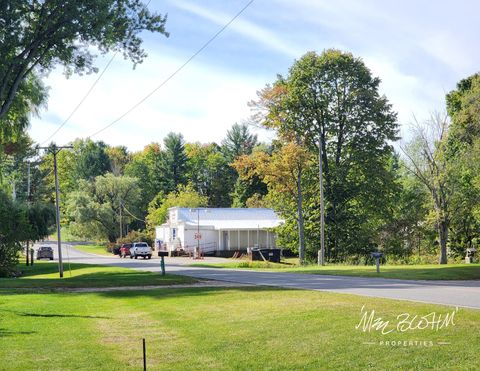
point(54, 150)
point(144, 356)
point(27, 253)
point(57, 198)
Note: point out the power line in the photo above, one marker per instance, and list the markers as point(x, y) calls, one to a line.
point(81, 101)
point(133, 216)
point(175, 72)
point(85, 96)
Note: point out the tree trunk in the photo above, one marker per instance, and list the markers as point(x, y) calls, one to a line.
point(112, 238)
point(443, 236)
point(300, 222)
point(321, 253)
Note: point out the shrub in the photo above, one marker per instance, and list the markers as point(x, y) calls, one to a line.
point(20, 222)
point(136, 236)
point(13, 229)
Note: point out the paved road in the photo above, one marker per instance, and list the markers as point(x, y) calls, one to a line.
point(455, 293)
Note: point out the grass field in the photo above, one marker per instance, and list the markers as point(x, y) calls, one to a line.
point(67, 236)
point(93, 249)
point(45, 275)
point(228, 329)
point(407, 272)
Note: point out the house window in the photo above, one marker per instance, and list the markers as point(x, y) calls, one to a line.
point(174, 232)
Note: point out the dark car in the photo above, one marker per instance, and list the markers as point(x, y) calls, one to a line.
point(45, 252)
point(125, 249)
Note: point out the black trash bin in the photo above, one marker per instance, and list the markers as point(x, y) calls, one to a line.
point(271, 255)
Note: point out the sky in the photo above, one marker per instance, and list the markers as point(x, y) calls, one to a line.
point(419, 49)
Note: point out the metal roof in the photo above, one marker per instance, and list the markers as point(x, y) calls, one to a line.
point(228, 218)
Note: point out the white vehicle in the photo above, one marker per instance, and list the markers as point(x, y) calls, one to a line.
point(140, 249)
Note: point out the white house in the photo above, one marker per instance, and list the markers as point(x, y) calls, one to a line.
point(218, 229)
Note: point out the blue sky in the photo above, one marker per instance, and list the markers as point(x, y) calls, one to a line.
point(419, 49)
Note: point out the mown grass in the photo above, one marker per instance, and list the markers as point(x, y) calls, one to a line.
point(45, 275)
point(67, 236)
point(228, 329)
point(407, 272)
point(93, 249)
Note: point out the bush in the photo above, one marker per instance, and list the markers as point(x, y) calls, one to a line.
point(13, 229)
point(20, 222)
point(136, 236)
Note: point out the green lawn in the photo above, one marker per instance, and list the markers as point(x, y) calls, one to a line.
point(228, 329)
point(67, 236)
point(407, 272)
point(45, 275)
point(93, 249)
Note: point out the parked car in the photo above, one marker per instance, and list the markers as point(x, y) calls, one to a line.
point(125, 249)
point(45, 252)
point(140, 249)
point(116, 250)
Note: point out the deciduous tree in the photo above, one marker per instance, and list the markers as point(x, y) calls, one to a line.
point(185, 196)
point(331, 101)
point(98, 207)
point(38, 35)
point(282, 172)
point(427, 161)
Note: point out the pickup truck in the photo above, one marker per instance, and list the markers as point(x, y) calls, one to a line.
point(140, 249)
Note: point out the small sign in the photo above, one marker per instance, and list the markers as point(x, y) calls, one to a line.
point(198, 236)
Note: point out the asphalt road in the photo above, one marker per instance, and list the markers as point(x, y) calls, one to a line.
point(452, 293)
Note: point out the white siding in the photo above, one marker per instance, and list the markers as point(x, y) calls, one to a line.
point(221, 229)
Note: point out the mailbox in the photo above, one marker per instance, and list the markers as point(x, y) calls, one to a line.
point(162, 254)
point(470, 257)
point(377, 256)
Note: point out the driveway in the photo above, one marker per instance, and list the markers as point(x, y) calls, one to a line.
point(453, 293)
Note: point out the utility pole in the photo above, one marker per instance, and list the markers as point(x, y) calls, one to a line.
point(54, 150)
point(121, 225)
point(28, 180)
point(198, 232)
point(197, 253)
point(321, 253)
point(28, 201)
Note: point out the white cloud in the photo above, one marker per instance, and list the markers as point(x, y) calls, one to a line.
point(417, 55)
point(449, 50)
point(243, 27)
point(200, 102)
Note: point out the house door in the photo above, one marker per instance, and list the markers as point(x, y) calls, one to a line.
point(225, 240)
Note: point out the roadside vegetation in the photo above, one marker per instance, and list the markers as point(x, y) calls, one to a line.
point(407, 272)
point(98, 249)
point(420, 198)
point(44, 275)
point(206, 328)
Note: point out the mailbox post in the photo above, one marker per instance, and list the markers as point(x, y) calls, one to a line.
point(162, 255)
point(377, 256)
